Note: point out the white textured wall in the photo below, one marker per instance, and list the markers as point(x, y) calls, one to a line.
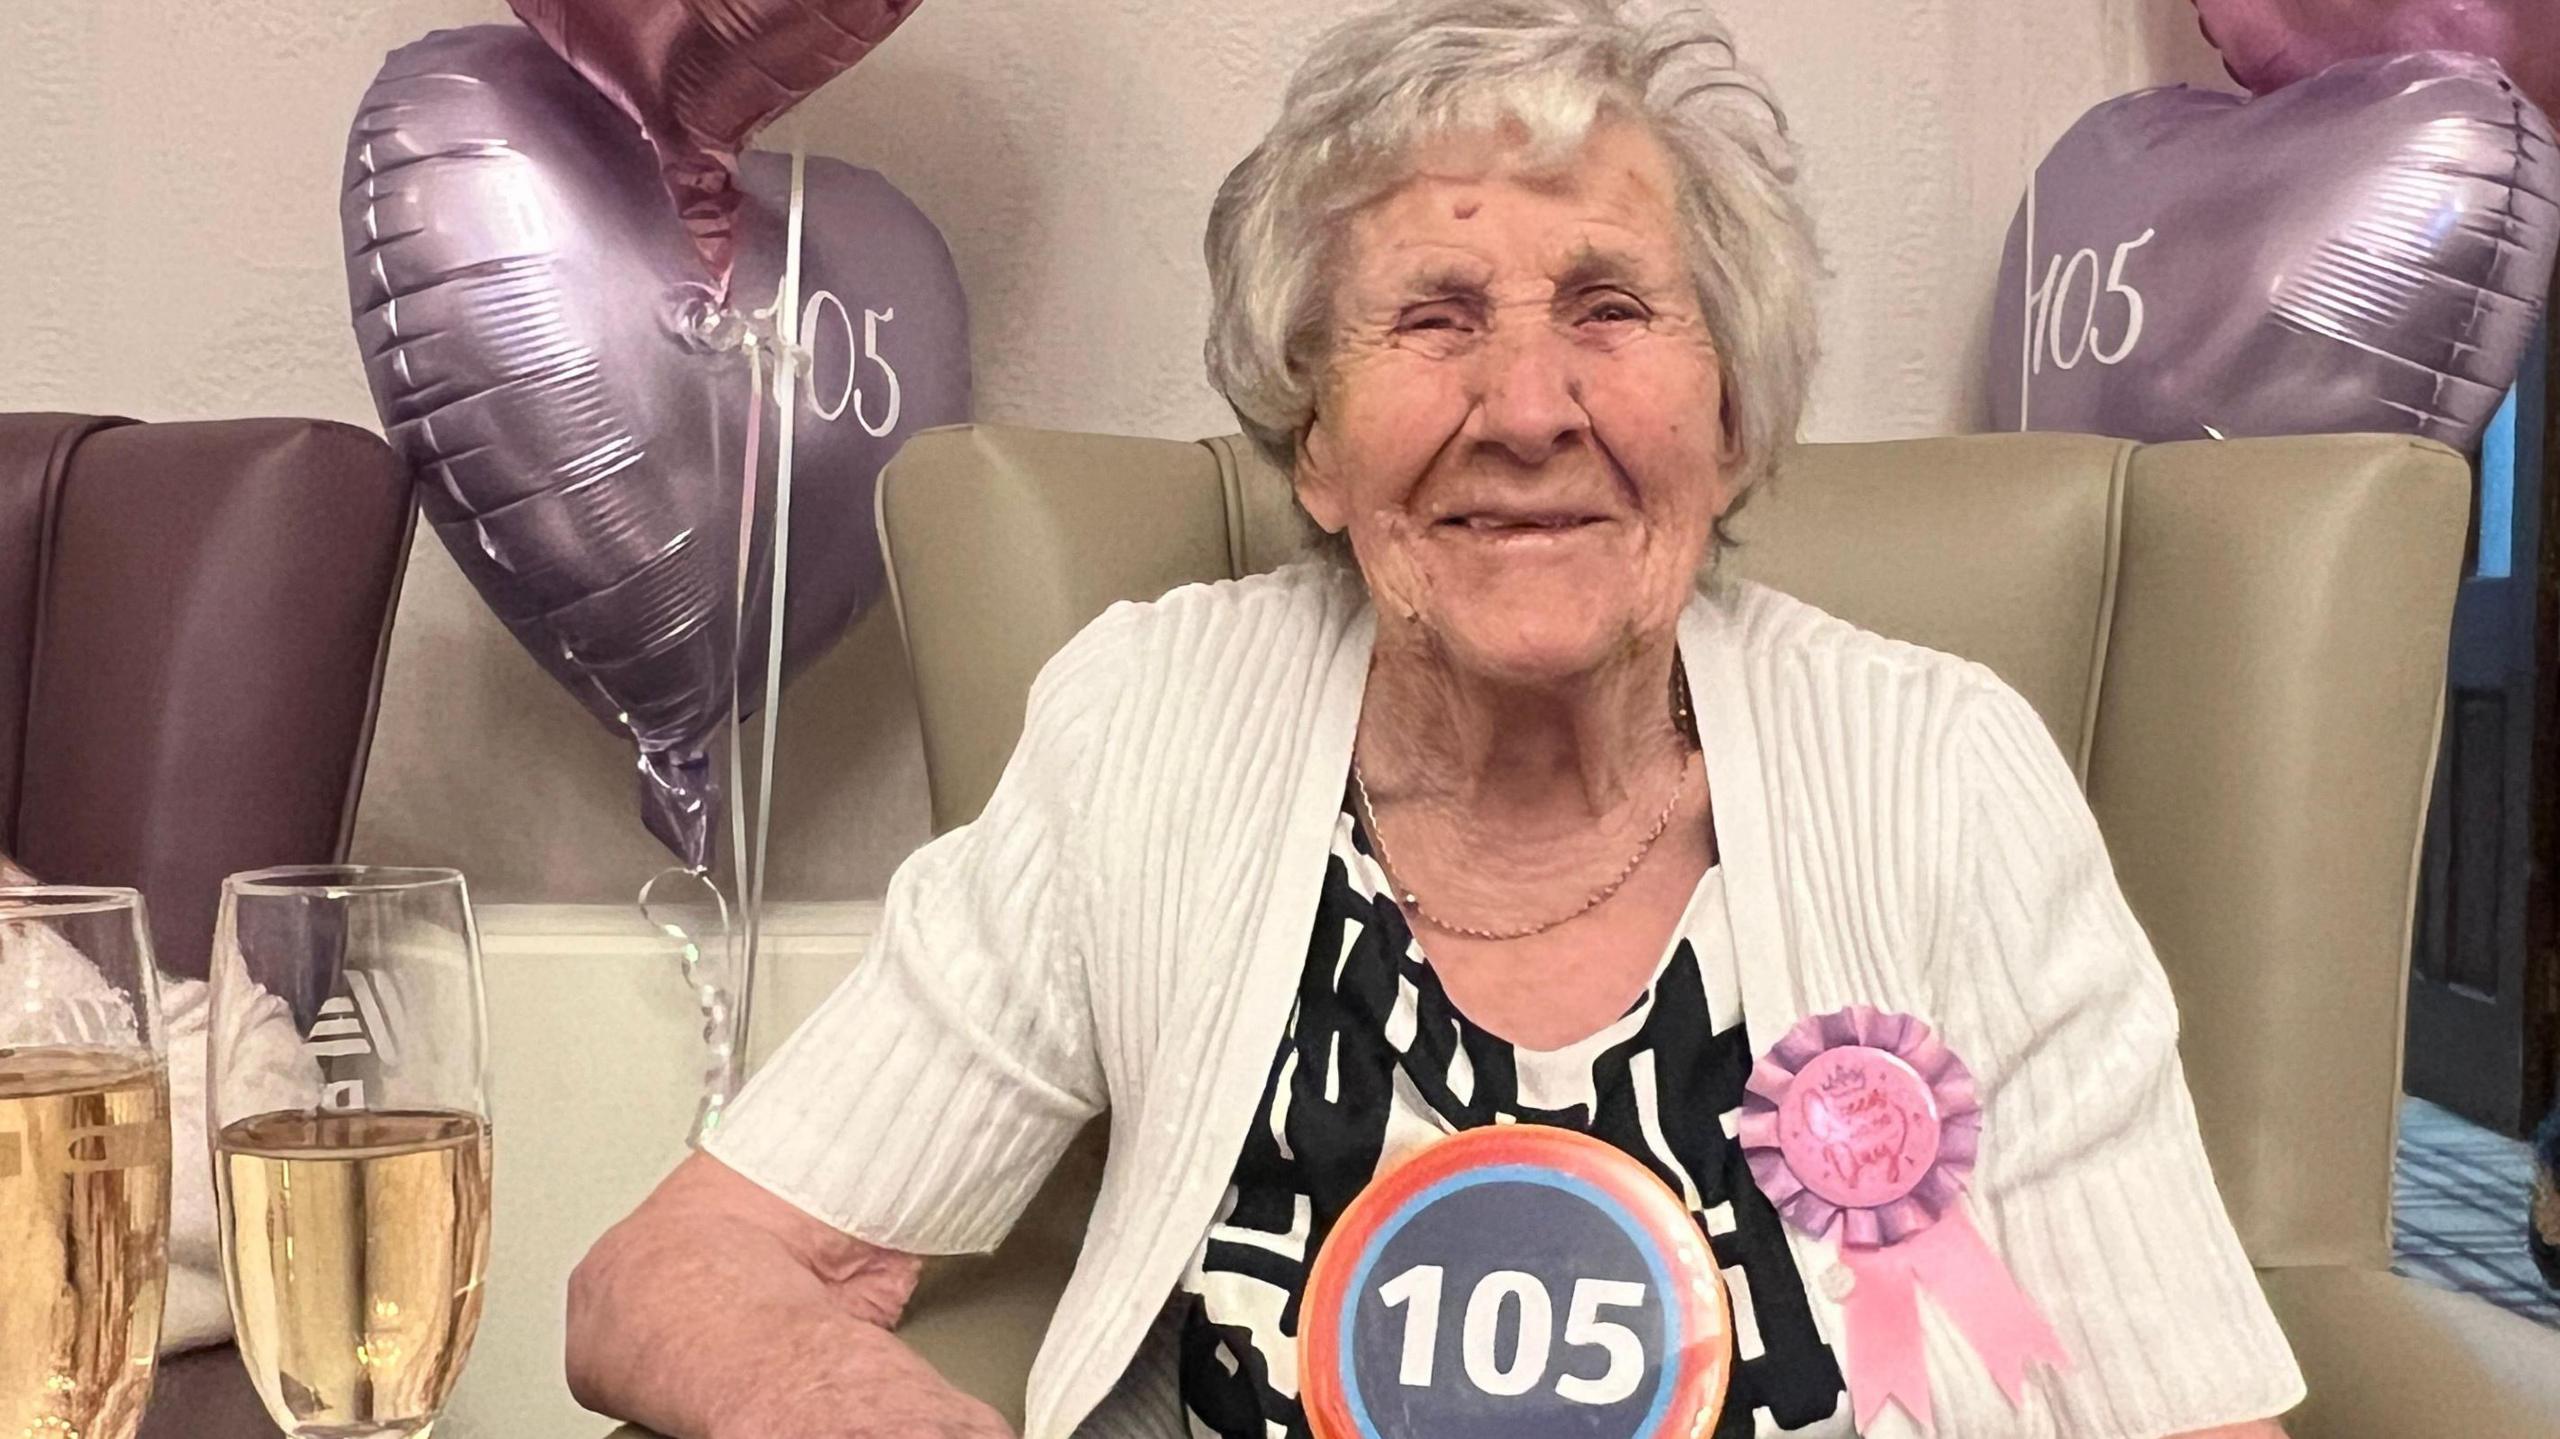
point(168, 240)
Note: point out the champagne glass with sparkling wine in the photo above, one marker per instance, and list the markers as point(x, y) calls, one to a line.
point(84, 1163)
point(351, 1141)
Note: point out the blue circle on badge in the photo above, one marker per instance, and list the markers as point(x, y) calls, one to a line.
point(1471, 1289)
point(1516, 1284)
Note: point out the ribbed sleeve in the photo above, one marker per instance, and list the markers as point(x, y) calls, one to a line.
point(2093, 1183)
point(923, 1104)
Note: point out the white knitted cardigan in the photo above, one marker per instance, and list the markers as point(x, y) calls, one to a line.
point(1124, 925)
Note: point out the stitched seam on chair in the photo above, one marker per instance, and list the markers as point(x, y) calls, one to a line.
point(57, 460)
point(2110, 582)
point(57, 479)
point(2390, 1156)
point(403, 546)
point(898, 608)
point(1231, 484)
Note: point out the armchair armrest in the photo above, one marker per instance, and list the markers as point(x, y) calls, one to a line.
point(2390, 1358)
point(978, 1319)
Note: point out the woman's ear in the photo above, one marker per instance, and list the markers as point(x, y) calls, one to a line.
point(1318, 479)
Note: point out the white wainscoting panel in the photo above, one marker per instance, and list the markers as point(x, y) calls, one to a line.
point(596, 1049)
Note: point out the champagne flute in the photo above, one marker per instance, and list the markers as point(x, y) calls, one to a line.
point(349, 1097)
point(84, 1162)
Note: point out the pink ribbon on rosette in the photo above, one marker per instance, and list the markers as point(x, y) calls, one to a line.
point(1866, 1122)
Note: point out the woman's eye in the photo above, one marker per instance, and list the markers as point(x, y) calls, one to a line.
point(1435, 317)
point(1612, 312)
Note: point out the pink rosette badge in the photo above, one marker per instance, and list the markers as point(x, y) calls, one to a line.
point(1864, 1121)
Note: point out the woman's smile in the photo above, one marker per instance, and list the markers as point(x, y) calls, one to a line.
point(1513, 528)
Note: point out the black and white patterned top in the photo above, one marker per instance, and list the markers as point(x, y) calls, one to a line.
point(1377, 1061)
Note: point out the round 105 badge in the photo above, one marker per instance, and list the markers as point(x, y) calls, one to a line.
point(1515, 1282)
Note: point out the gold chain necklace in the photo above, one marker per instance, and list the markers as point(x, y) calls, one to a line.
point(1661, 825)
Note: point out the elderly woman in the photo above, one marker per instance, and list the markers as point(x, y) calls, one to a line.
point(1495, 816)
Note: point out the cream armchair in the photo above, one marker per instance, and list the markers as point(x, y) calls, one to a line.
point(2240, 645)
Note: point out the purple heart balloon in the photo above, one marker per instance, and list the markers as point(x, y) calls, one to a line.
point(2366, 250)
point(526, 304)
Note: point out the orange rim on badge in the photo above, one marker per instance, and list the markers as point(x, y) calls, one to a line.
point(1515, 1282)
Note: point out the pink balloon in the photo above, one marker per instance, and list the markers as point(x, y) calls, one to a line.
point(703, 76)
point(2267, 44)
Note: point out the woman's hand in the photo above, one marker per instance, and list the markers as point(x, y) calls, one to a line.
point(719, 1311)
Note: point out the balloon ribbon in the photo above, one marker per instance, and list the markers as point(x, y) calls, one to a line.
point(725, 989)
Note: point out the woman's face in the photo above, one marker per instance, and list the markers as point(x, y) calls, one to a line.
point(1521, 423)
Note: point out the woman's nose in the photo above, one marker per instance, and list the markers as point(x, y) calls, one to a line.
point(1529, 399)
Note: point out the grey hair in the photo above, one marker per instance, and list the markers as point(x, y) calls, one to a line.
point(1378, 85)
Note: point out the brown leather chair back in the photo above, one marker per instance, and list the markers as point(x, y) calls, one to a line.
point(193, 620)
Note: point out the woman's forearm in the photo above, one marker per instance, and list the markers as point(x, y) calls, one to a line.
point(708, 1315)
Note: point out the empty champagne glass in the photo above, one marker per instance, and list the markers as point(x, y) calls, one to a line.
point(351, 1141)
point(84, 1162)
